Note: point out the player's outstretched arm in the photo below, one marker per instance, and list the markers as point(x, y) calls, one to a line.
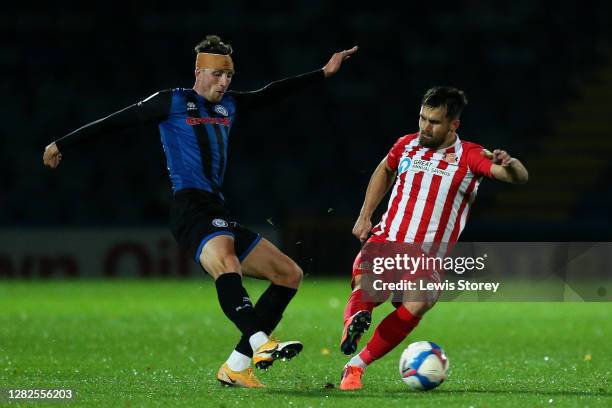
point(379, 184)
point(153, 109)
point(506, 168)
point(278, 90)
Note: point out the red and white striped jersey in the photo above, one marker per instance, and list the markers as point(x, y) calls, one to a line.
point(433, 191)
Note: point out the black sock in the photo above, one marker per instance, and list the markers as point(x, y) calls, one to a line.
point(236, 304)
point(269, 310)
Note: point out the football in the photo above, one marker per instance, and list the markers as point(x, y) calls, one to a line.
point(423, 365)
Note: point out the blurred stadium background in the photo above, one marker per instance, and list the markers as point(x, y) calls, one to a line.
point(538, 76)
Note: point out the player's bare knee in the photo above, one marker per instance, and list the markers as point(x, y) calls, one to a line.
point(357, 282)
point(288, 274)
point(296, 274)
point(417, 308)
point(216, 265)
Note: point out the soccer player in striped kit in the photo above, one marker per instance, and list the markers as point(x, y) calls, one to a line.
point(435, 176)
point(194, 124)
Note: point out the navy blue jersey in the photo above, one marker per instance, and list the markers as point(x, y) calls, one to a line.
point(195, 137)
point(194, 132)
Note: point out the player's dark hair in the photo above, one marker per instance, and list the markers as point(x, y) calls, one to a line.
point(214, 45)
point(454, 99)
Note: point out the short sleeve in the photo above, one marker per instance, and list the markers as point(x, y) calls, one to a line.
point(477, 163)
point(395, 154)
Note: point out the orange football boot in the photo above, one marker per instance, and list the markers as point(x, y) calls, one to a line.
point(351, 378)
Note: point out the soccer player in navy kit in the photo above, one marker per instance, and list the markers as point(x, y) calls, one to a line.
point(194, 125)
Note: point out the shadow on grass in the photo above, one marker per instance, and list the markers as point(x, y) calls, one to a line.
point(335, 393)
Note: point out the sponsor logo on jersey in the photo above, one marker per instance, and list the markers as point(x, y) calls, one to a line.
point(191, 106)
point(220, 109)
point(450, 158)
point(218, 222)
point(427, 166)
point(404, 165)
point(203, 121)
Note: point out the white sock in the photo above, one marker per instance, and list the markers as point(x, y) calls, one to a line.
point(357, 361)
point(238, 361)
point(257, 340)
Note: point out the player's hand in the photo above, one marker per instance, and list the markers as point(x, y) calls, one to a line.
point(52, 156)
point(362, 228)
point(336, 60)
point(498, 156)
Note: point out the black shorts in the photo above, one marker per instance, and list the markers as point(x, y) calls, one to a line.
point(196, 216)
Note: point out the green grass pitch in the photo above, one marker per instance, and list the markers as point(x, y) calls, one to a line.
point(160, 343)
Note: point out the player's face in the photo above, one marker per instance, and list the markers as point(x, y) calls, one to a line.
point(213, 83)
point(435, 128)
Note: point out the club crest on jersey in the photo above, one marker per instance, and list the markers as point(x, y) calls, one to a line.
point(450, 158)
point(191, 106)
point(220, 109)
point(404, 165)
point(218, 222)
